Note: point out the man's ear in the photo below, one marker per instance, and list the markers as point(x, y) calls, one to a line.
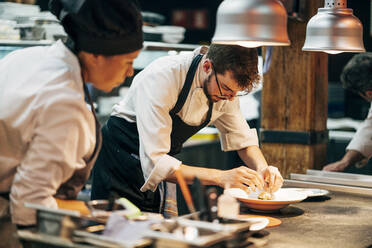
point(207, 66)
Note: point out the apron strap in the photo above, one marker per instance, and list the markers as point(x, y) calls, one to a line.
point(93, 158)
point(187, 86)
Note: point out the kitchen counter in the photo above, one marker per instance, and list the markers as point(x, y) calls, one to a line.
point(340, 220)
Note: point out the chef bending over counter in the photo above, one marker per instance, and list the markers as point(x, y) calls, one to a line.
point(169, 101)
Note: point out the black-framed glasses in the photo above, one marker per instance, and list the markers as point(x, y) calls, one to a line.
point(232, 93)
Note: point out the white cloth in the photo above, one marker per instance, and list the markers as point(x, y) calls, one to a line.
point(362, 140)
point(46, 129)
point(153, 93)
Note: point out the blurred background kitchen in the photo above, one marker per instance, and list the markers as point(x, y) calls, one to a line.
point(172, 27)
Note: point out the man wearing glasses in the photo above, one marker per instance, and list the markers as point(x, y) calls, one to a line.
point(169, 101)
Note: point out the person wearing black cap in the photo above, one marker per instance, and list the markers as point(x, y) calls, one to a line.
point(49, 135)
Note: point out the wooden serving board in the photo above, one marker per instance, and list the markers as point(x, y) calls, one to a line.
point(272, 221)
point(73, 205)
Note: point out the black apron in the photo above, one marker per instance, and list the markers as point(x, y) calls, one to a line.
point(118, 167)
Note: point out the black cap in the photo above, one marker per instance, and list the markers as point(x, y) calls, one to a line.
point(105, 27)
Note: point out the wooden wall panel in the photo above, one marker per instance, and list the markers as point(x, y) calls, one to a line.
point(295, 98)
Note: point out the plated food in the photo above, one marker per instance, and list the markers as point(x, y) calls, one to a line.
point(265, 196)
point(282, 198)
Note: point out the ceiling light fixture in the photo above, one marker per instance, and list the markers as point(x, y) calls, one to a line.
point(251, 23)
point(334, 29)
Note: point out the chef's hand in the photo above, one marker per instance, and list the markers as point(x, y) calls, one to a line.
point(272, 178)
point(351, 157)
point(241, 177)
point(336, 166)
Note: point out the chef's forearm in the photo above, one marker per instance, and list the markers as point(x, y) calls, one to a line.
point(352, 157)
point(253, 157)
point(205, 175)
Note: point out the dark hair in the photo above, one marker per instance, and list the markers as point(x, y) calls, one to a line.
point(357, 74)
point(241, 61)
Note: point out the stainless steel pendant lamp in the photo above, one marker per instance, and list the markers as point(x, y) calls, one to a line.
point(251, 23)
point(334, 29)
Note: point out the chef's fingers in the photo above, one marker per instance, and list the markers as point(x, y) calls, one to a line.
point(266, 187)
point(244, 186)
point(278, 183)
point(271, 182)
point(255, 181)
point(257, 178)
point(248, 180)
point(250, 183)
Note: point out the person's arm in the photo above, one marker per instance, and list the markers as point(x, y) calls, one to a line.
point(253, 158)
point(237, 135)
point(240, 177)
point(359, 148)
point(351, 157)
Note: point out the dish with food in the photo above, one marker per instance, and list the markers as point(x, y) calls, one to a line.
point(265, 196)
point(280, 199)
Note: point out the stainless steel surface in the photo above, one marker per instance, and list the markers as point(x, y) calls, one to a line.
point(332, 180)
point(337, 220)
point(251, 23)
point(167, 46)
point(173, 233)
point(35, 240)
point(332, 174)
point(103, 241)
point(332, 187)
point(336, 181)
point(42, 208)
point(25, 43)
point(334, 29)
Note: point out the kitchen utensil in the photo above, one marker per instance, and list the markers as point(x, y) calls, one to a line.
point(185, 191)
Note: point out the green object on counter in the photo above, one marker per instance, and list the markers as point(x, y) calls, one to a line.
point(133, 210)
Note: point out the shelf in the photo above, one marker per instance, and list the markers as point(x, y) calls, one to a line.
point(152, 45)
point(147, 45)
point(25, 43)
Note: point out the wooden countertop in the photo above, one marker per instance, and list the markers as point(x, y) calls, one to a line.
point(339, 220)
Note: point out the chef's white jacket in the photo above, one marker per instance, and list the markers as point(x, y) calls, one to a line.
point(46, 129)
point(362, 140)
point(154, 92)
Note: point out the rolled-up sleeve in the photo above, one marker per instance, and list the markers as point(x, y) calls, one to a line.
point(362, 140)
point(235, 133)
point(64, 135)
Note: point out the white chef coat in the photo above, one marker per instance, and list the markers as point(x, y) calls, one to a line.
point(46, 129)
point(362, 140)
point(154, 92)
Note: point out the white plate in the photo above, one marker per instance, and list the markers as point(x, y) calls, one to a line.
point(282, 198)
point(259, 223)
point(311, 192)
